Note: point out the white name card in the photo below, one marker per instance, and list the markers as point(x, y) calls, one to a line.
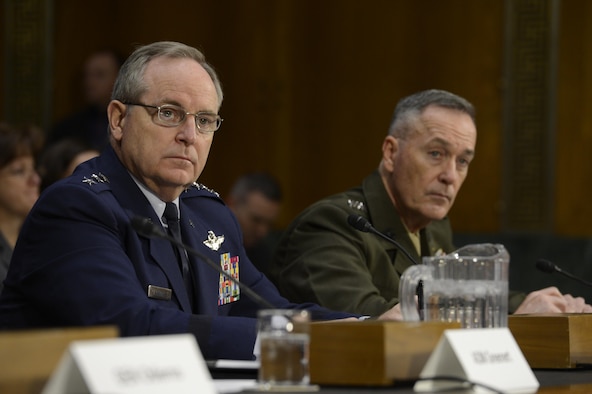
point(486, 357)
point(142, 365)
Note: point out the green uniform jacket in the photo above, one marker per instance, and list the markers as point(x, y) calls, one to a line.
point(322, 259)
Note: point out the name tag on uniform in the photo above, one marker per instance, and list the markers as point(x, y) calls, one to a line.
point(159, 293)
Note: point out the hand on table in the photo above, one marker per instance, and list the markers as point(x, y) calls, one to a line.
point(550, 300)
point(392, 314)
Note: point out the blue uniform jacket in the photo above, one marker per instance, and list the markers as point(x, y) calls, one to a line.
point(78, 262)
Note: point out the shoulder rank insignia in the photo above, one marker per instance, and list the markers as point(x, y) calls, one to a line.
point(359, 205)
point(94, 179)
point(200, 186)
point(214, 241)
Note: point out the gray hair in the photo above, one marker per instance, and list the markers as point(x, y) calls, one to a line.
point(129, 85)
point(410, 107)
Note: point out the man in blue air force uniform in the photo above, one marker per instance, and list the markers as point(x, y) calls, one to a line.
point(80, 263)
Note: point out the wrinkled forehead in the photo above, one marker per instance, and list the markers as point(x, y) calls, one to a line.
point(452, 129)
point(166, 77)
point(446, 121)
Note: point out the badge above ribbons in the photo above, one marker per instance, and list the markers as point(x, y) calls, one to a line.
point(213, 241)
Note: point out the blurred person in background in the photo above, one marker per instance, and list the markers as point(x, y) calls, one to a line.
point(90, 125)
point(60, 159)
point(256, 199)
point(19, 147)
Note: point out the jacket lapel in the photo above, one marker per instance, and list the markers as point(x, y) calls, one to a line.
point(206, 278)
point(129, 196)
point(162, 252)
point(385, 219)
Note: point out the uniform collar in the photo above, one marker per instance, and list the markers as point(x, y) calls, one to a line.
point(382, 213)
point(157, 204)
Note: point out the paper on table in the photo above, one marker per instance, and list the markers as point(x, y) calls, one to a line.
point(224, 386)
point(233, 364)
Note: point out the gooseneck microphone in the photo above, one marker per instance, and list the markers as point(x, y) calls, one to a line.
point(549, 267)
point(362, 224)
point(146, 228)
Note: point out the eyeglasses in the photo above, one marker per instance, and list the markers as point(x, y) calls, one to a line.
point(169, 115)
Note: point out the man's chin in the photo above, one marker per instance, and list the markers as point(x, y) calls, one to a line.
point(437, 213)
point(180, 177)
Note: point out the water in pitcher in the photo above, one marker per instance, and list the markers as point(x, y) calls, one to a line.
point(473, 303)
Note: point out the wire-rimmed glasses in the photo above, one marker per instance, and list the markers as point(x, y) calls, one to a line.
point(170, 115)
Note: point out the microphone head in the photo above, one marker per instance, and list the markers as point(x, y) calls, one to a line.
point(546, 266)
point(359, 222)
point(145, 227)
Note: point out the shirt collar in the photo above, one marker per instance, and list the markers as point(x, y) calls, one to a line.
point(157, 204)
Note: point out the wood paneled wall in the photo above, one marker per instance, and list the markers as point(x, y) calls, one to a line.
point(573, 192)
point(310, 86)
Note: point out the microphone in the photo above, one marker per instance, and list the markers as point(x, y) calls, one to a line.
point(549, 267)
point(362, 224)
point(146, 228)
point(546, 266)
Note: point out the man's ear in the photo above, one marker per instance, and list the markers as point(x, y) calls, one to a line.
point(390, 147)
point(116, 112)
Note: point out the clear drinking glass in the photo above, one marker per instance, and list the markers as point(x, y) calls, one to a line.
point(284, 340)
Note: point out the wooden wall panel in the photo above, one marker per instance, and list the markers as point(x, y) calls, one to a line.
point(26, 62)
point(3, 48)
point(310, 85)
point(573, 210)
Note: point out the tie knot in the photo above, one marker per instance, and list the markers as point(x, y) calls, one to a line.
point(171, 213)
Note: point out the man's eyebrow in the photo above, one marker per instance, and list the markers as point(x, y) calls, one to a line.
point(168, 101)
point(178, 104)
point(447, 144)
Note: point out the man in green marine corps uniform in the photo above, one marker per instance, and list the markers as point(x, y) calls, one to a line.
point(425, 160)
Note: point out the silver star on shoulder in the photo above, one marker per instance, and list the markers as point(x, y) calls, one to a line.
point(89, 181)
point(214, 241)
point(101, 177)
point(95, 179)
point(201, 186)
point(359, 205)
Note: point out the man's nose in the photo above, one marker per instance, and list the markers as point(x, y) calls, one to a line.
point(449, 173)
point(188, 131)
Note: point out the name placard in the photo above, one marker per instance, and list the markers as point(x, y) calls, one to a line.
point(151, 364)
point(488, 357)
